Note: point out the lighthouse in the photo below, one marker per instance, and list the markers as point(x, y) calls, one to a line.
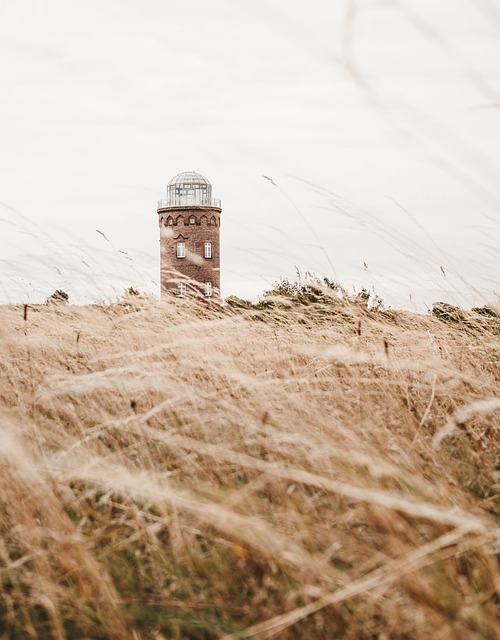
point(189, 220)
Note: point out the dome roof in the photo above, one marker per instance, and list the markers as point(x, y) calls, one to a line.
point(189, 189)
point(188, 178)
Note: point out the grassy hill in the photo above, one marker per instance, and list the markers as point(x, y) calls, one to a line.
point(308, 469)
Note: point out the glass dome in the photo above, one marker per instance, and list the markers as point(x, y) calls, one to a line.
point(189, 189)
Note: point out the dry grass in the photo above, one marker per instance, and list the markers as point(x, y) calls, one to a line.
point(304, 471)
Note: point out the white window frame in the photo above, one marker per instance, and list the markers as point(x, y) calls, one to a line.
point(181, 289)
point(181, 250)
point(207, 251)
point(209, 289)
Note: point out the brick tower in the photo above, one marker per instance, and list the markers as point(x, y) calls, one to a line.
point(189, 220)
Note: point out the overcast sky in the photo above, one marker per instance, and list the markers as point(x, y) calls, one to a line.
point(378, 120)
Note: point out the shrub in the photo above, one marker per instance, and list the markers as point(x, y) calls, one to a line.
point(58, 297)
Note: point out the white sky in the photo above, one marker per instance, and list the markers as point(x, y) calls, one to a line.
point(379, 120)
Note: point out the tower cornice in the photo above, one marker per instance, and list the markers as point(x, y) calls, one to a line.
point(190, 207)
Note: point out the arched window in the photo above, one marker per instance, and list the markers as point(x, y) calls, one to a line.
point(180, 220)
point(192, 220)
point(212, 221)
point(170, 221)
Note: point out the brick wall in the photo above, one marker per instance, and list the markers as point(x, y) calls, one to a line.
point(194, 269)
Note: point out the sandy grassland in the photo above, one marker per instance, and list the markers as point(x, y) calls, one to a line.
point(310, 469)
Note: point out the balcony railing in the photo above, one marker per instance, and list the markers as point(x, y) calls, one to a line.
point(188, 201)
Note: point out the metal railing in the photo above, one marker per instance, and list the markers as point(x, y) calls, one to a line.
point(188, 201)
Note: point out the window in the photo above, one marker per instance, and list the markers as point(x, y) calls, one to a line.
point(208, 250)
point(212, 221)
point(170, 221)
point(181, 249)
point(181, 289)
point(192, 220)
point(208, 289)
